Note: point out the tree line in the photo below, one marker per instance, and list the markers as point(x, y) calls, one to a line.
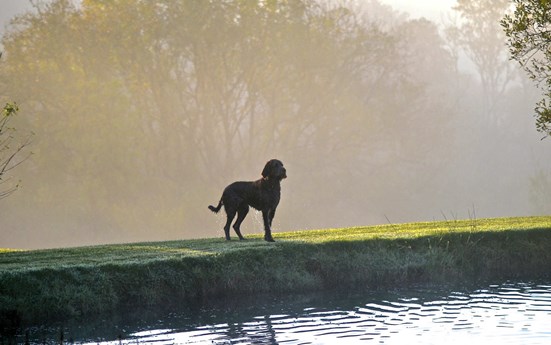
point(143, 110)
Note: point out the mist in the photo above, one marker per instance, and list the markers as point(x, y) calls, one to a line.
point(142, 112)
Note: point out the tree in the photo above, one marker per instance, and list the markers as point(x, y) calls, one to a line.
point(480, 37)
point(540, 191)
point(142, 122)
point(10, 149)
point(10, 155)
point(528, 32)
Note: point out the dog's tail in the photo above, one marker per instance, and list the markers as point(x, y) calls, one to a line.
point(217, 208)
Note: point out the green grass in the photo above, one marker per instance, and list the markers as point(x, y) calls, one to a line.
point(44, 285)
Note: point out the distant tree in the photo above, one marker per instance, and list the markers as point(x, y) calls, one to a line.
point(540, 192)
point(191, 94)
point(478, 34)
point(528, 32)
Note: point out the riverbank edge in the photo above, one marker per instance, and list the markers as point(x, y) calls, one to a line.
point(61, 292)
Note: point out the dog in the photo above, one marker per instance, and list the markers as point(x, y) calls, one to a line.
point(262, 194)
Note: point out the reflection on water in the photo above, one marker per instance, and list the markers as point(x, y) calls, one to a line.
point(496, 314)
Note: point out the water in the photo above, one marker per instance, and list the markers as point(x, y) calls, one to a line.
point(508, 313)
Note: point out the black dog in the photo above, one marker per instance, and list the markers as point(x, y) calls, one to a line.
point(262, 194)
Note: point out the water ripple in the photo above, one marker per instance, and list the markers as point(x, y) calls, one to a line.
point(505, 314)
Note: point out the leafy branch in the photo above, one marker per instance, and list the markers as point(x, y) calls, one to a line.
point(528, 32)
point(10, 157)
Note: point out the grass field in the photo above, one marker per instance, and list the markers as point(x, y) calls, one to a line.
point(44, 285)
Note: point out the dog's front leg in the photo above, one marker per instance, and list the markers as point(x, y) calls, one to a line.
point(267, 225)
point(272, 215)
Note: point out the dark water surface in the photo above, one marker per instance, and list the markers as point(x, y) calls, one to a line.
point(506, 313)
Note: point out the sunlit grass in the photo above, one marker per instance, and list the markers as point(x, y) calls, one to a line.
point(415, 230)
point(78, 281)
point(8, 250)
point(160, 251)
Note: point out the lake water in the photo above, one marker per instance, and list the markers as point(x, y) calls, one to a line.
point(506, 313)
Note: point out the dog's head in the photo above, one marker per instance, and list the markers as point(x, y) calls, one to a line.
point(274, 169)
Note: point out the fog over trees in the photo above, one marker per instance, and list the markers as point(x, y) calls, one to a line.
point(143, 111)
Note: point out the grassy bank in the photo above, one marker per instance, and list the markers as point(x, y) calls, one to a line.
point(63, 283)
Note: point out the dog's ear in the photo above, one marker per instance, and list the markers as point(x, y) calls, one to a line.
point(267, 169)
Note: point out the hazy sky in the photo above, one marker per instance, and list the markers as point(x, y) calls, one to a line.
point(431, 9)
point(8, 8)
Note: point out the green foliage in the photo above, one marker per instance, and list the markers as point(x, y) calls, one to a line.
point(543, 117)
point(529, 38)
point(9, 110)
point(65, 283)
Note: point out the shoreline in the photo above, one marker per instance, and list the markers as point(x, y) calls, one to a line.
point(44, 286)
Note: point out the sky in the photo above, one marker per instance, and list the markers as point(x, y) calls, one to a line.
point(431, 9)
point(9, 8)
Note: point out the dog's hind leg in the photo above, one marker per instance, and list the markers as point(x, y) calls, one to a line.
point(241, 214)
point(231, 214)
